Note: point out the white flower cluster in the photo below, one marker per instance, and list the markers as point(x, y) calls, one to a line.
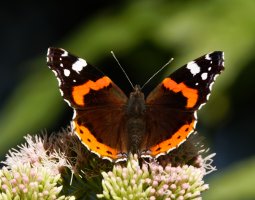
point(33, 171)
point(152, 181)
point(23, 181)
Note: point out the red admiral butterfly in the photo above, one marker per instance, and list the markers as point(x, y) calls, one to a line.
point(111, 125)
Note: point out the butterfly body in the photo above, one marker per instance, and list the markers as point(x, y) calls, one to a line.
point(136, 120)
point(112, 125)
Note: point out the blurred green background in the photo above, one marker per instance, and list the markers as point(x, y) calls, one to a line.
point(144, 34)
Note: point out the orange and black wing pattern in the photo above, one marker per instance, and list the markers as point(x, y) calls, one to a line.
point(175, 102)
point(97, 102)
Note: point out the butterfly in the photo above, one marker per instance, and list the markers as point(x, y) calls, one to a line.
point(112, 125)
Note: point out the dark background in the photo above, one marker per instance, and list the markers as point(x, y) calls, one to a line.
point(143, 35)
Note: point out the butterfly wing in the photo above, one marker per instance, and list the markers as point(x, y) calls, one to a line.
point(175, 102)
point(98, 103)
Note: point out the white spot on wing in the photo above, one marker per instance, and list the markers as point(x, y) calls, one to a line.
point(67, 72)
point(146, 156)
point(59, 82)
point(61, 92)
point(208, 57)
point(61, 65)
point(56, 74)
point(195, 114)
point(64, 54)
point(210, 86)
point(48, 52)
point(67, 102)
point(74, 114)
point(184, 140)
point(118, 160)
point(164, 153)
point(204, 76)
point(193, 67)
point(209, 69)
point(216, 75)
point(195, 124)
point(73, 127)
point(207, 97)
point(107, 158)
point(100, 155)
point(78, 65)
point(201, 106)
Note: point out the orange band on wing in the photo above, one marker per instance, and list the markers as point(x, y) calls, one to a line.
point(189, 93)
point(81, 90)
point(92, 143)
point(177, 138)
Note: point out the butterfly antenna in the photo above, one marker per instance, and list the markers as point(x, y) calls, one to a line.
point(157, 72)
point(122, 69)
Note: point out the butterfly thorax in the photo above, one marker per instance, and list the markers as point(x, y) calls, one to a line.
point(135, 114)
